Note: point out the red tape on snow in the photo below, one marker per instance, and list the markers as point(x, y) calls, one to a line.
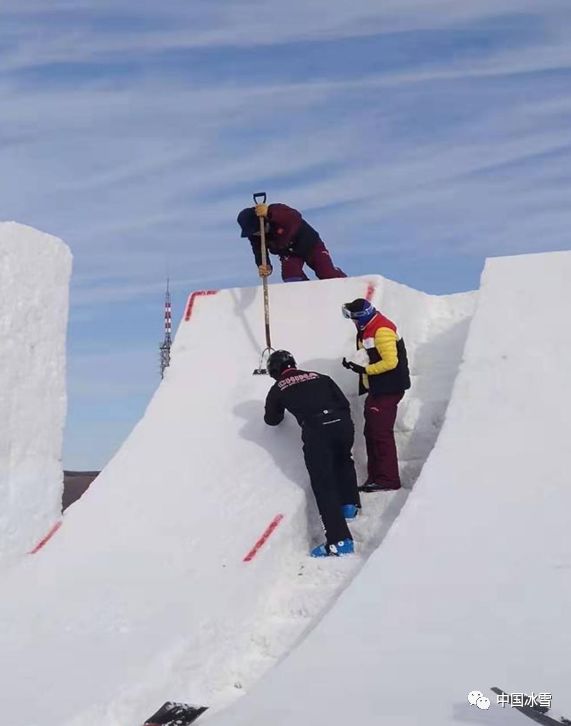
point(370, 291)
point(264, 538)
point(46, 539)
point(192, 298)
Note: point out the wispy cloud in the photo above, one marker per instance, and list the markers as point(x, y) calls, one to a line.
point(86, 31)
point(423, 130)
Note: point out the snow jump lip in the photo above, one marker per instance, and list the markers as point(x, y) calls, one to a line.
point(192, 297)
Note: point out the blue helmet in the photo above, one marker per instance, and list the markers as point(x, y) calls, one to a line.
point(360, 311)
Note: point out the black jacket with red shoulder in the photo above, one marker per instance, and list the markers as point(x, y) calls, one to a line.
point(311, 397)
point(287, 234)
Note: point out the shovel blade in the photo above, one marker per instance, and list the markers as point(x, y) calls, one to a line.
point(261, 370)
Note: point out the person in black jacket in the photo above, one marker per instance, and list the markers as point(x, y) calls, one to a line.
point(327, 432)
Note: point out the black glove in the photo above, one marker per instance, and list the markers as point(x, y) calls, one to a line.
point(353, 366)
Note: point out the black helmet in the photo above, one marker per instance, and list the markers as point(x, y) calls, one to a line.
point(249, 222)
point(279, 361)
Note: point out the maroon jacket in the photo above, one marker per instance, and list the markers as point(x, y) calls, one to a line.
point(287, 234)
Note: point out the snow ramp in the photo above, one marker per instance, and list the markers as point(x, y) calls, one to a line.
point(471, 587)
point(178, 574)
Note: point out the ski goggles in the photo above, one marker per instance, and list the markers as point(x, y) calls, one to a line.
point(356, 315)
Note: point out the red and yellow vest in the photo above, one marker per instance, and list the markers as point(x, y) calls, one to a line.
point(387, 371)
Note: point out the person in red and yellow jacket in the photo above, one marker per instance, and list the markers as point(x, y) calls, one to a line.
point(385, 376)
point(289, 237)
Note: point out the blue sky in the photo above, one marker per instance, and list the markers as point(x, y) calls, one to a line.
point(418, 136)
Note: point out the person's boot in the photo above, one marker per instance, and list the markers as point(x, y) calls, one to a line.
point(350, 511)
point(337, 549)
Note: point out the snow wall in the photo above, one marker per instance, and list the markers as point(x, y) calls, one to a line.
point(34, 284)
point(471, 587)
point(183, 573)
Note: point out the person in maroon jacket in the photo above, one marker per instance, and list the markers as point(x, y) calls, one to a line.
point(289, 237)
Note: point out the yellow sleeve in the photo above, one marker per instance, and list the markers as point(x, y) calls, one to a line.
point(386, 344)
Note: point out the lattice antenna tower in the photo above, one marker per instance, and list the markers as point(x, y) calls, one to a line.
point(165, 346)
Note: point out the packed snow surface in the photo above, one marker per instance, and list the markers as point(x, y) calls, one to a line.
point(34, 284)
point(472, 586)
point(144, 595)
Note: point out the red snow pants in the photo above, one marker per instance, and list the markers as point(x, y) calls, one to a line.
point(318, 259)
point(382, 462)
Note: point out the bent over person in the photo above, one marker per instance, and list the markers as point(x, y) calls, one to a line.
point(289, 237)
point(327, 432)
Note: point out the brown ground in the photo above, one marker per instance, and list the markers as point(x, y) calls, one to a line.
point(75, 484)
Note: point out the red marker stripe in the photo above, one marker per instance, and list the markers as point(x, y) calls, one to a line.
point(192, 298)
point(264, 538)
point(47, 538)
point(370, 291)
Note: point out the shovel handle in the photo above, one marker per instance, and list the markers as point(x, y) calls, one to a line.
point(260, 198)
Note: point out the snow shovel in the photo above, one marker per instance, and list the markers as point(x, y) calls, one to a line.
point(260, 198)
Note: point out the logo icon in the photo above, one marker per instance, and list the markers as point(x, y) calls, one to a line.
point(477, 698)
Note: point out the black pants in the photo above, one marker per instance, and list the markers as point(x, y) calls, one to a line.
point(327, 444)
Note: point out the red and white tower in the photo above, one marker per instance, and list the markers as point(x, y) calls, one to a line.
point(165, 346)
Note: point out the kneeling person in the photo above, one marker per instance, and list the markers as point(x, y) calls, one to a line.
point(327, 432)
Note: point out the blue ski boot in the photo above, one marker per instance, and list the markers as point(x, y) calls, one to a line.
point(350, 511)
point(343, 547)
